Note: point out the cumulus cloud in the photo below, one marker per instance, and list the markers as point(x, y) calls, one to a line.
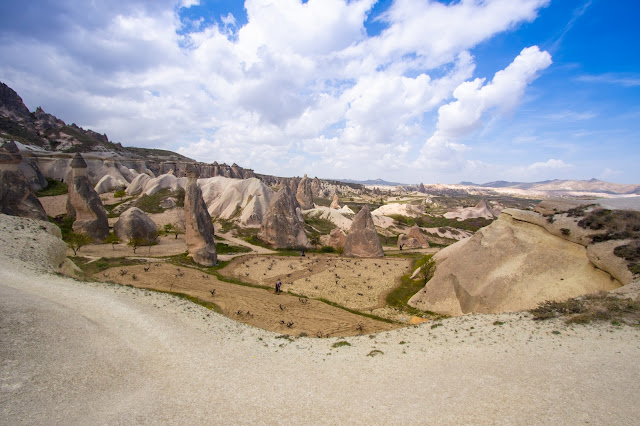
point(299, 82)
point(473, 99)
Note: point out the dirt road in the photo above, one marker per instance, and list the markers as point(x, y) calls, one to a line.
point(90, 353)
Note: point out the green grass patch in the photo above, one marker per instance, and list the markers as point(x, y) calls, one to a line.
point(223, 248)
point(90, 268)
point(54, 187)
point(340, 344)
point(318, 225)
point(151, 203)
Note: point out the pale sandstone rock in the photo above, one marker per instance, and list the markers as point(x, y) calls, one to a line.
point(363, 240)
point(199, 228)
point(602, 256)
point(413, 240)
point(304, 194)
point(510, 265)
point(335, 204)
point(337, 238)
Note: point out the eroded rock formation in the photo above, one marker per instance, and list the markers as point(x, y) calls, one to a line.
point(363, 240)
point(517, 262)
point(335, 204)
point(16, 196)
point(84, 203)
point(413, 240)
point(199, 228)
point(134, 224)
point(281, 226)
point(337, 238)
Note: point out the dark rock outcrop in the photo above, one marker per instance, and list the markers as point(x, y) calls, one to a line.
point(363, 240)
point(16, 196)
point(134, 224)
point(199, 228)
point(84, 203)
point(281, 226)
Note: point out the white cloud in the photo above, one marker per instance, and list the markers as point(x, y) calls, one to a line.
point(551, 164)
point(473, 99)
point(300, 82)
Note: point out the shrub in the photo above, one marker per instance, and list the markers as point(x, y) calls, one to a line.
point(76, 241)
point(54, 187)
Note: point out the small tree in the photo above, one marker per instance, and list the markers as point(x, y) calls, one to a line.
point(136, 242)
point(112, 239)
point(171, 228)
point(75, 241)
point(120, 193)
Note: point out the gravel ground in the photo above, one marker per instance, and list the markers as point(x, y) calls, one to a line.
point(73, 352)
point(89, 353)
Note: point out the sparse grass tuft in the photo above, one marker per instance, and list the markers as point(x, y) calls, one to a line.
point(593, 307)
point(340, 344)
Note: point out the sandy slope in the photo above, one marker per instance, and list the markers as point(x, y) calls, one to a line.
point(78, 353)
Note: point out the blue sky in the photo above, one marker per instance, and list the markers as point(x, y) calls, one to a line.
point(407, 90)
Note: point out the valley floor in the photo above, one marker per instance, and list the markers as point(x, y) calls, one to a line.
point(92, 353)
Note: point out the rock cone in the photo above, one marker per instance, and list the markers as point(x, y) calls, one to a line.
point(199, 228)
point(337, 238)
point(304, 194)
point(281, 226)
point(363, 240)
point(335, 204)
point(84, 203)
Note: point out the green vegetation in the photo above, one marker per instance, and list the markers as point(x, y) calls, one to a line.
point(112, 239)
point(164, 154)
point(54, 187)
point(375, 352)
point(135, 243)
point(89, 267)
point(223, 248)
point(318, 226)
point(399, 296)
point(322, 202)
point(120, 193)
point(76, 241)
point(250, 235)
point(13, 130)
point(151, 203)
point(593, 307)
point(65, 223)
point(617, 224)
point(340, 344)
point(111, 207)
point(429, 221)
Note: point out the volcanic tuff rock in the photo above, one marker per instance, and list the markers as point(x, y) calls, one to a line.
point(246, 200)
point(135, 224)
point(422, 189)
point(363, 240)
point(316, 188)
point(335, 204)
point(304, 194)
point(281, 226)
point(84, 203)
point(16, 196)
point(199, 228)
point(514, 264)
point(337, 238)
point(414, 239)
point(109, 184)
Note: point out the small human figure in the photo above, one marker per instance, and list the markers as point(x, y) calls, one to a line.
point(401, 245)
point(278, 285)
point(303, 253)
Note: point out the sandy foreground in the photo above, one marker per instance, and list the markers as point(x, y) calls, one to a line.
point(92, 353)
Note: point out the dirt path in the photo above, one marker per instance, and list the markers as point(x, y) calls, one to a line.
point(82, 353)
point(237, 241)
